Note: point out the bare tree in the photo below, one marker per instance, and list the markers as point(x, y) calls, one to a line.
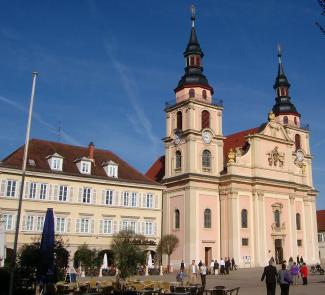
point(322, 5)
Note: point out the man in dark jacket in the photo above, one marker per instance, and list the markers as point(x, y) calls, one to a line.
point(270, 273)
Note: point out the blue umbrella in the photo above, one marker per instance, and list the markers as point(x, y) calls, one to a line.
point(46, 268)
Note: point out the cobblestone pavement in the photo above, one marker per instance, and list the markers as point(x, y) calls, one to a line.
point(249, 281)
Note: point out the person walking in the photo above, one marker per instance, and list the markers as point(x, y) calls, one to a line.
point(216, 267)
point(304, 273)
point(284, 279)
point(192, 272)
point(301, 261)
point(200, 264)
point(203, 272)
point(233, 264)
point(182, 266)
point(222, 266)
point(227, 265)
point(294, 273)
point(212, 267)
point(270, 275)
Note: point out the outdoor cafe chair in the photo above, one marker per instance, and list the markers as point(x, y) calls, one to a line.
point(234, 291)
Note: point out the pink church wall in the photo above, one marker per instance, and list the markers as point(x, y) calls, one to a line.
point(244, 203)
point(209, 234)
point(300, 233)
point(177, 202)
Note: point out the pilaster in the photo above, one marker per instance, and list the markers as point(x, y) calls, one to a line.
point(293, 227)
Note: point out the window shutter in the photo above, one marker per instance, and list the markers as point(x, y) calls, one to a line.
point(142, 227)
point(14, 221)
point(92, 226)
point(37, 190)
point(80, 195)
point(47, 195)
point(144, 200)
point(121, 199)
point(138, 227)
point(115, 198)
point(24, 223)
point(101, 226)
point(156, 202)
point(55, 192)
point(155, 228)
point(17, 192)
point(78, 225)
point(68, 225)
point(121, 224)
point(3, 188)
point(50, 191)
point(94, 196)
point(103, 196)
point(26, 192)
point(114, 227)
point(71, 194)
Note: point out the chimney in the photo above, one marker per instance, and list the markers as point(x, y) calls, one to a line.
point(91, 148)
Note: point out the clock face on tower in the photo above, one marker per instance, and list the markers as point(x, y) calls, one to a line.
point(300, 155)
point(206, 136)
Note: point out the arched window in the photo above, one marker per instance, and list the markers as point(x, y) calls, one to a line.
point(205, 119)
point(204, 94)
point(178, 160)
point(206, 159)
point(295, 120)
point(298, 223)
point(244, 218)
point(207, 218)
point(179, 120)
point(192, 93)
point(192, 61)
point(297, 141)
point(277, 220)
point(285, 120)
point(177, 219)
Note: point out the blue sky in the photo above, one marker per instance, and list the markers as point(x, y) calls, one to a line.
point(107, 67)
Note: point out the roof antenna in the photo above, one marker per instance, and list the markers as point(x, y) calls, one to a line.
point(193, 15)
point(59, 131)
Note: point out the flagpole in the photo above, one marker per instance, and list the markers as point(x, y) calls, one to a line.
point(29, 122)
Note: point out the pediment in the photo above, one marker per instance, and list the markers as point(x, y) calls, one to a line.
point(275, 130)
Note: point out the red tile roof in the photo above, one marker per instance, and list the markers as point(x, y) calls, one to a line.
point(237, 140)
point(39, 150)
point(321, 220)
point(157, 171)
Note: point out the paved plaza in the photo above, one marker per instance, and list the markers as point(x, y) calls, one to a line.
point(249, 281)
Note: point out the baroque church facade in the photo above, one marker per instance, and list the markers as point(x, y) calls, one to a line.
point(249, 195)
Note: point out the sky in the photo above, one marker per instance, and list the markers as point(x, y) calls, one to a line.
point(106, 69)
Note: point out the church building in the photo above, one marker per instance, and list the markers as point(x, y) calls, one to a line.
point(248, 195)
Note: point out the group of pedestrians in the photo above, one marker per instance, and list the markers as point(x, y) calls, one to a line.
point(287, 275)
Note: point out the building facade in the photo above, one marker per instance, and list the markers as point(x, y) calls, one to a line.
point(249, 195)
point(321, 234)
point(93, 192)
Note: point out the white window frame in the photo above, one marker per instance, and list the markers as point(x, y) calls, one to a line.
point(149, 200)
point(29, 223)
point(39, 223)
point(148, 228)
point(109, 197)
point(126, 199)
point(8, 221)
point(133, 199)
point(42, 191)
point(85, 224)
point(85, 167)
point(86, 195)
point(11, 188)
point(63, 193)
point(107, 228)
point(32, 190)
point(56, 164)
point(61, 224)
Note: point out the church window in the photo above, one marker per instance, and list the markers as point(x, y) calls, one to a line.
point(244, 218)
point(178, 160)
point(285, 120)
point(277, 218)
point(192, 93)
point(244, 242)
point(299, 243)
point(197, 61)
point(206, 159)
point(204, 94)
point(177, 219)
point(298, 223)
point(297, 141)
point(295, 120)
point(207, 218)
point(205, 119)
point(192, 61)
point(179, 120)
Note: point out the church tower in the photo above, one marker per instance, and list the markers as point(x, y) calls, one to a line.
point(193, 160)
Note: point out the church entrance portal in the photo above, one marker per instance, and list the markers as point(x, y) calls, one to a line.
point(278, 251)
point(208, 256)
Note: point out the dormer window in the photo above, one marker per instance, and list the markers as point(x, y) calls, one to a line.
point(84, 165)
point(111, 169)
point(55, 161)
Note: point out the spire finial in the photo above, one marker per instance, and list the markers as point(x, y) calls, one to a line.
point(279, 53)
point(193, 15)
